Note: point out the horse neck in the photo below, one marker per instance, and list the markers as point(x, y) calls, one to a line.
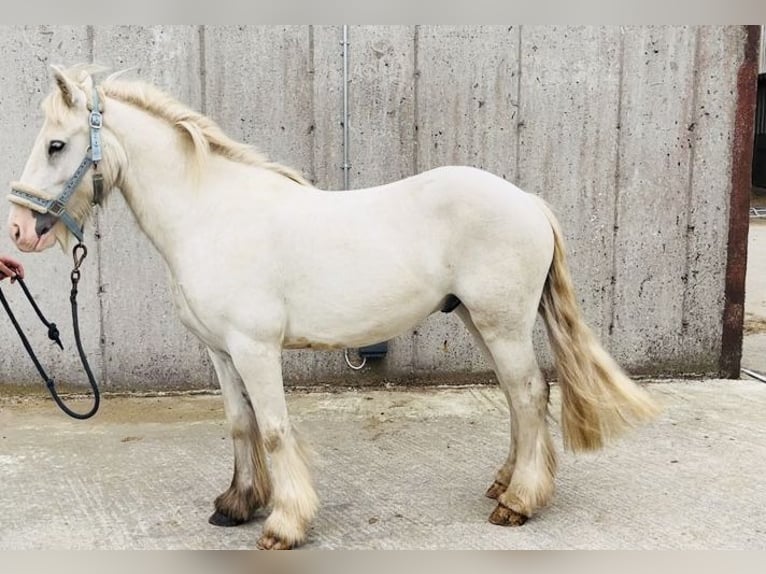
point(158, 181)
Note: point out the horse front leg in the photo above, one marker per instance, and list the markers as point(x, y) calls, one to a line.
point(250, 487)
point(293, 496)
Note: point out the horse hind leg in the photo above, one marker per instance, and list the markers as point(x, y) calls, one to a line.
point(250, 487)
point(525, 483)
point(531, 485)
point(505, 472)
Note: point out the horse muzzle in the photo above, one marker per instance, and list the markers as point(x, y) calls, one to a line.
point(29, 223)
point(45, 209)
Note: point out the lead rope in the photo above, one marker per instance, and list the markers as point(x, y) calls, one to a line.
point(78, 254)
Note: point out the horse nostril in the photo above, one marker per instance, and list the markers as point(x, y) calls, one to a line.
point(16, 232)
point(43, 230)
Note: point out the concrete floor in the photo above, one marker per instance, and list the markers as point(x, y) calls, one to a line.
point(397, 469)
point(754, 345)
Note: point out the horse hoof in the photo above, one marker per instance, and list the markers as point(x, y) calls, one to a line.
point(220, 519)
point(267, 542)
point(504, 516)
point(495, 490)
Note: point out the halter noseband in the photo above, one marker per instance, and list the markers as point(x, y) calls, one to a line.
point(32, 198)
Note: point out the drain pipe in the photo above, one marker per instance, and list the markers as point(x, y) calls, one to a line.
point(377, 350)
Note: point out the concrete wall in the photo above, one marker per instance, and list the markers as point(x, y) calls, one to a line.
point(627, 131)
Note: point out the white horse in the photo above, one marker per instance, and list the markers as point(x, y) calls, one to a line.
point(450, 237)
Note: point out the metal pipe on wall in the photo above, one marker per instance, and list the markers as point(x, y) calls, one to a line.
point(377, 350)
point(346, 165)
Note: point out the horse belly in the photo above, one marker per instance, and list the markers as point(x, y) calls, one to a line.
point(365, 316)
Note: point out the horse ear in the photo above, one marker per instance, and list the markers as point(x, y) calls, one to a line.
point(73, 95)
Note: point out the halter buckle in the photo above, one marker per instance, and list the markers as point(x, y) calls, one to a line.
point(95, 120)
point(56, 208)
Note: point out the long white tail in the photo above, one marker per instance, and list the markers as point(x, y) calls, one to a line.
point(599, 402)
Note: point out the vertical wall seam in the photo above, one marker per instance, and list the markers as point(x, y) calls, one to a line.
point(312, 104)
point(201, 32)
point(415, 159)
point(346, 75)
point(313, 357)
point(202, 47)
point(90, 34)
point(519, 119)
point(617, 174)
point(415, 101)
point(690, 190)
point(91, 41)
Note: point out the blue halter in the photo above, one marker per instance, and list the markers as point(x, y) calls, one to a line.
point(57, 205)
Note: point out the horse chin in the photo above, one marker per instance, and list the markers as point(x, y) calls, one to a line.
point(58, 235)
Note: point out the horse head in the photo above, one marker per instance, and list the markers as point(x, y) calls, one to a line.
point(64, 174)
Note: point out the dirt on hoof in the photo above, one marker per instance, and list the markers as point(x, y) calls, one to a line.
point(495, 490)
point(267, 542)
point(504, 516)
point(221, 519)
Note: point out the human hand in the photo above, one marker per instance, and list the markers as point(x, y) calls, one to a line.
point(9, 267)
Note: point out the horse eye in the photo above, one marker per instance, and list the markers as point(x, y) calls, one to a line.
point(55, 146)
